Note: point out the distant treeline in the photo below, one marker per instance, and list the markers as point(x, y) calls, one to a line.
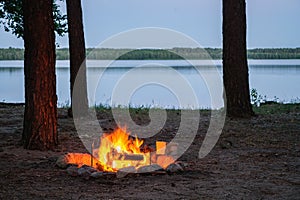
point(159, 54)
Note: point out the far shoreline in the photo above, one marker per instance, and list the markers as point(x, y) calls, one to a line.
point(159, 54)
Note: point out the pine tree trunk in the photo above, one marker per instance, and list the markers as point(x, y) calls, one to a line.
point(79, 101)
point(40, 117)
point(235, 67)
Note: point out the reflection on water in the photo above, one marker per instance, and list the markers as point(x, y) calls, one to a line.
point(273, 80)
point(10, 70)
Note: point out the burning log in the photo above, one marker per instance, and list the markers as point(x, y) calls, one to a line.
point(163, 149)
point(121, 153)
point(164, 161)
point(78, 159)
point(120, 160)
point(115, 155)
point(99, 170)
point(132, 157)
point(160, 147)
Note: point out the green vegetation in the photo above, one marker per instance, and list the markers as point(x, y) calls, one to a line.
point(264, 109)
point(284, 53)
point(11, 18)
point(159, 54)
point(11, 54)
point(263, 106)
point(277, 108)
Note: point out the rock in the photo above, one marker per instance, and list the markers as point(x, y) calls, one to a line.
point(97, 174)
point(130, 169)
point(182, 164)
point(62, 162)
point(72, 170)
point(89, 168)
point(84, 173)
point(150, 168)
point(158, 172)
point(226, 144)
point(109, 174)
point(125, 171)
point(174, 168)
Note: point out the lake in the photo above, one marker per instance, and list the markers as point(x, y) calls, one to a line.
point(273, 79)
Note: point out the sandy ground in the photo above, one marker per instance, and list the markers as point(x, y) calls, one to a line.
point(254, 159)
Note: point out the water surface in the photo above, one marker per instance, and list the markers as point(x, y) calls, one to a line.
point(275, 79)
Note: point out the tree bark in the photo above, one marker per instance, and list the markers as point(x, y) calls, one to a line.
point(235, 67)
point(79, 101)
point(40, 117)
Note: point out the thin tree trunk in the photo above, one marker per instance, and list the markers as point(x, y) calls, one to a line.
point(40, 117)
point(235, 67)
point(79, 100)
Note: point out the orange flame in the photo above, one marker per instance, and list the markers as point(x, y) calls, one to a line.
point(118, 150)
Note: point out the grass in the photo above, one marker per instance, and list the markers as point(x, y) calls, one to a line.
point(264, 108)
point(276, 108)
point(272, 108)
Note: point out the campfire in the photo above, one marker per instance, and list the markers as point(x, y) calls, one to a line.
point(119, 151)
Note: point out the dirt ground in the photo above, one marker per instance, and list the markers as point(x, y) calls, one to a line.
point(254, 159)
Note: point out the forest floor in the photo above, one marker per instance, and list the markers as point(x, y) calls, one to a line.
point(256, 158)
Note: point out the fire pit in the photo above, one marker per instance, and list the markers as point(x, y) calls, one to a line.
point(121, 154)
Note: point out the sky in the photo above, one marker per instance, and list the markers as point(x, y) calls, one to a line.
point(270, 23)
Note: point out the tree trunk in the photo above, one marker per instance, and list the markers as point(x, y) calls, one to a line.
point(40, 117)
point(235, 67)
point(79, 101)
